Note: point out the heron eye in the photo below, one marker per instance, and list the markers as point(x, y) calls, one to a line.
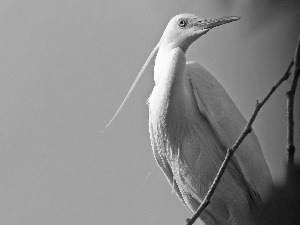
point(182, 23)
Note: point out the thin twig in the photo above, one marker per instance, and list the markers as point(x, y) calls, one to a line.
point(290, 107)
point(231, 150)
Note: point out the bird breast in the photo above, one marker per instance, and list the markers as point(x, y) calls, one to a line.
point(168, 101)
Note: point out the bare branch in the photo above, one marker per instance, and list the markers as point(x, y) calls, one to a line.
point(290, 107)
point(231, 150)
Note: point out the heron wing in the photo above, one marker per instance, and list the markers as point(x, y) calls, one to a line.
point(228, 123)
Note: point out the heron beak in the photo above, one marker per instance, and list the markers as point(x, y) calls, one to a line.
point(211, 23)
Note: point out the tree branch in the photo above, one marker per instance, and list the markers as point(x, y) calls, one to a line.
point(231, 150)
point(290, 107)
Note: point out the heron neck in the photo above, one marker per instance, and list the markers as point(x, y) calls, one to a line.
point(168, 62)
point(169, 73)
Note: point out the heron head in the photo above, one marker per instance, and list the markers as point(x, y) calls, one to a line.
point(184, 29)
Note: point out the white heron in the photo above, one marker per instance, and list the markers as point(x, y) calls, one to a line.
point(192, 121)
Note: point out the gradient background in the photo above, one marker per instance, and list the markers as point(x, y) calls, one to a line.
point(65, 66)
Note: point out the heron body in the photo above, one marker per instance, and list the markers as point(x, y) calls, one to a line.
point(192, 121)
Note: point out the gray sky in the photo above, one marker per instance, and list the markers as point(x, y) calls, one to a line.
point(65, 67)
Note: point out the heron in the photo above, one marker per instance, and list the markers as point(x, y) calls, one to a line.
point(193, 121)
